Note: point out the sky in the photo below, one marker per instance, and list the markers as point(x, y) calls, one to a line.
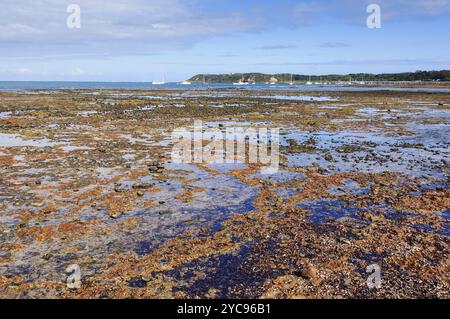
point(147, 40)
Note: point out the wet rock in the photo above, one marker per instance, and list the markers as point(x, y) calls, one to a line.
point(165, 212)
point(4, 232)
point(347, 282)
point(137, 282)
point(37, 204)
point(155, 167)
point(310, 272)
point(117, 189)
point(115, 215)
point(344, 240)
point(141, 185)
point(352, 222)
point(212, 293)
point(140, 193)
point(192, 222)
point(47, 256)
point(204, 232)
point(349, 149)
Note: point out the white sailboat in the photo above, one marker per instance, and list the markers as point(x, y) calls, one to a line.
point(309, 82)
point(186, 83)
point(292, 82)
point(160, 82)
point(319, 83)
point(362, 82)
point(241, 82)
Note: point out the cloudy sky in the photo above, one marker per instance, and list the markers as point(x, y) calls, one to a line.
point(139, 40)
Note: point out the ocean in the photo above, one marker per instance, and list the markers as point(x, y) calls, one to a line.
point(54, 85)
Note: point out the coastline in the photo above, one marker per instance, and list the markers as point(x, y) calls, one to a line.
point(88, 180)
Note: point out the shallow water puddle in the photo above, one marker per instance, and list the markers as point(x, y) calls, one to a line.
point(349, 187)
point(14, 140)
point(422, 154)
point(224, 276)
point(4, 115)
point(322, 211)
point(296, 98)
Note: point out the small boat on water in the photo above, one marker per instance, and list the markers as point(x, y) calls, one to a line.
point(186, 83)
point(241, 82)
point(160, 82)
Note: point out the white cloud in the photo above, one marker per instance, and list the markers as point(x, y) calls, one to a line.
point(332, 45)
point(22, 71)
point(117, 27)
point(14, 31)
point(77, 72)
point(37, 29)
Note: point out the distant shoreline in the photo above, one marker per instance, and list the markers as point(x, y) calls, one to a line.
point(435, 76)
point(29, 86)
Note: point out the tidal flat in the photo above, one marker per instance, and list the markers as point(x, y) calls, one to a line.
point(87, 179)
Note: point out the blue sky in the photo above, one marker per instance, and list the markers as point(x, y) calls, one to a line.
point(139, 40)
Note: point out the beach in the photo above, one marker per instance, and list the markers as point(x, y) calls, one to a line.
point(88, 179)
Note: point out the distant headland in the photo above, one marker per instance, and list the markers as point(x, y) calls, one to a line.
point(418, 76)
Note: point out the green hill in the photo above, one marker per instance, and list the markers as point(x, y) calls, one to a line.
point(443, 75)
